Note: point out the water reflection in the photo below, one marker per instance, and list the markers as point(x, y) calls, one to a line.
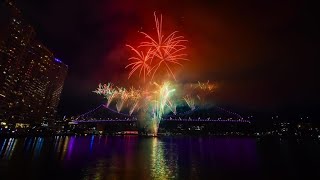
point(38, 146)
point(70, 147)
point(132, 157)
point(162, 167)
point(91, 143)
point(7, 148)
point(28, 144)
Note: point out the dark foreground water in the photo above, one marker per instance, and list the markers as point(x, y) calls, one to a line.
point(132, 157)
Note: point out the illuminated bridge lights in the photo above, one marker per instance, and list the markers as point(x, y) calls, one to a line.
point(172, 120)
point(89, 117)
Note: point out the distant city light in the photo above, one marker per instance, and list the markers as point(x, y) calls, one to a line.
point(57, 60)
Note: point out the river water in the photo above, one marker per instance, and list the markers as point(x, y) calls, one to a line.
point(132, 157)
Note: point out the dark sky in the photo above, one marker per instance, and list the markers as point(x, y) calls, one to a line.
point(264, 53)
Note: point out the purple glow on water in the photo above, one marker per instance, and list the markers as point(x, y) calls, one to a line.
point(133, 157)
point(91, 143)
point(70, 147)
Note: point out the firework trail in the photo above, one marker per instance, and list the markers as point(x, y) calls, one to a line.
point(162, 96)
point(207, 86)
point(123, 96)
point(190, 102)
point(134, 96)
point(107, 91)
point(162, 51)
point(172, 106)
point(133, 108)
point(140, 62)
point(135, 99)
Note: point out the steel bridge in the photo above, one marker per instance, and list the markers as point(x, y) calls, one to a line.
point(103, 114)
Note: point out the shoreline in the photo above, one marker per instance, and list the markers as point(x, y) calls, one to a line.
point(159, 136)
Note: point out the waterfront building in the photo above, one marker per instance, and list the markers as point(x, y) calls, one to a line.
point(31, 78)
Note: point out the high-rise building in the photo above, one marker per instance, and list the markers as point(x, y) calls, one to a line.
point(59, 74)
point(14, 39)
point(44, 79)
point(31, 78)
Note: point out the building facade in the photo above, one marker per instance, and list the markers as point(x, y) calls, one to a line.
point(31, 78)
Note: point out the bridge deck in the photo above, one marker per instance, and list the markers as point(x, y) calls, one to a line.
point(168, 120)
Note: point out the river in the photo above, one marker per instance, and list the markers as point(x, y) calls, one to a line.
point(133, 157)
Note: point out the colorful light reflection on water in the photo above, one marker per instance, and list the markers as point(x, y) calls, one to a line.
point(132, 157)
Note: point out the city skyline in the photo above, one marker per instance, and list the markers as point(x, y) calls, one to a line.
point(159, 89)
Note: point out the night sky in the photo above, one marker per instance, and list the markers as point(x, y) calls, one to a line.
point(264, 53)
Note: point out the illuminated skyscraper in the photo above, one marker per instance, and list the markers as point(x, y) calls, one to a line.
point(15, 36)
point(31, 79)
point(44, 79)
point(59, 72)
